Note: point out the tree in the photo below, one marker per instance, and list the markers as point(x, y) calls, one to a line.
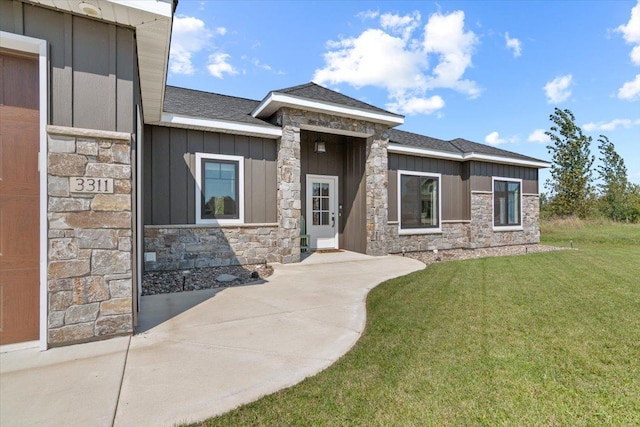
point(571, 177)
point(615, 186)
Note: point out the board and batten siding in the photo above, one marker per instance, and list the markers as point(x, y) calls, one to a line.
point(455, 196)
point(345, 158)
point(481, 174)
point(169, 156)
point(93, 68)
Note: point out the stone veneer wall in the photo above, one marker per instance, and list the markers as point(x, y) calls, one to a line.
point(477, 233)
point(481, 232)
point(454, 235)
point(89, 237)
point(180, 247)
point(288, 195)
point(377, 194)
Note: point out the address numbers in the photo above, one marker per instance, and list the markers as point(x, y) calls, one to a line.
point(91, 185)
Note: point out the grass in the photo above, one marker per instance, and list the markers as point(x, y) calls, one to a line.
point(541, 339)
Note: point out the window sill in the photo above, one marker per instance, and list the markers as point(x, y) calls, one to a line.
point(508, 228)
point(219, 222)
point(409, 231)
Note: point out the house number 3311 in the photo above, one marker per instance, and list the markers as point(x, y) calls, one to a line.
point(91, 185)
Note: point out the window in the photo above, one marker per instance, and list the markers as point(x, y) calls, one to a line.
point(507, 203)
point(419, 202)
point(219, 189)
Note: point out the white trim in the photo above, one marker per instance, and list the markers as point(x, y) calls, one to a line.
point(462, 157)
point(407, 231)
point(334, 201)
point(240, 161)
point(186, 226)
point(87, 133)
point(493, 204)
point(139, 202)
point(162, 8)
point(274, 101)
point(39, 47)
point(225, 126)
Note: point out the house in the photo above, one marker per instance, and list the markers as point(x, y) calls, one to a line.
point(106, 172)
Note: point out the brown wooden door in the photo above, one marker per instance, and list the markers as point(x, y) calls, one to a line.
point(19, 199)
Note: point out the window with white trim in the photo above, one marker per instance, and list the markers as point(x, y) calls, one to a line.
point(219, 189)
point(419, 206)
point(507, 202)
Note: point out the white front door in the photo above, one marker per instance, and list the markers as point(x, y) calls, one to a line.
point(322, 211)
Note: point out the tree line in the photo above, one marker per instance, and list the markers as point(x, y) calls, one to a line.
point(571, 190)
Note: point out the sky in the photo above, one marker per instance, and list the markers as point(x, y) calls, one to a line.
point(486, 71)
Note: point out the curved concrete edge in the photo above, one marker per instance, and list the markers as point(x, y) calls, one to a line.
point(251, 341)
point(219, 350)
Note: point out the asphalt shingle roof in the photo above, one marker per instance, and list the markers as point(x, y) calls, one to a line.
point(318, 93)
point(208, 105)
point(457, 146)
point(230, 108)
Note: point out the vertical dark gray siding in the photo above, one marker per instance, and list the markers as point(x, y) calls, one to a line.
point(354, 212)
point(169, 173)
point(482, 172)
point(93, 66)
point(455, 196)
point(345, 158)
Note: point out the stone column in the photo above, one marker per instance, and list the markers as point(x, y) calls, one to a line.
point(377, 182)
point(288, 194)
point(89, 234)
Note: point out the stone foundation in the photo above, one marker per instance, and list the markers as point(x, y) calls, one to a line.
point(89, 236)
point(453, 236)
point(188, 246)
point(477, 233)
point(481, 232)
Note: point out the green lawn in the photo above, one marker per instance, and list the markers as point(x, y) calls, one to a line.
point(541, 339)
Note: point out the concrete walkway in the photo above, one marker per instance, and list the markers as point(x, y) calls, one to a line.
point(201, 353)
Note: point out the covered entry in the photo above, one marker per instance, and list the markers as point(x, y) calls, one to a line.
point(333, 194)
point(19, 198)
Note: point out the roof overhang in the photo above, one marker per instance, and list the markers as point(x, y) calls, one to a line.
point(463, 157)
point(152, 20)
point(276, 100)
point(222, 126)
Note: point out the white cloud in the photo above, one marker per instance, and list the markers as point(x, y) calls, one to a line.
point(403, 25)
point(417, 105)
point(514, 44)
point(221, 31)
point(631, 33)
point(539, 136)
point(189, 36)
point(610, 126)
point(368, 14)
point(630, 90)
point(494, 139)
point(392, 57)
point(444, 35)
point(557, 90)
point(218, 65)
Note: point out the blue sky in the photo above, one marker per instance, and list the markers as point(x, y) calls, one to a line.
point(490, 72)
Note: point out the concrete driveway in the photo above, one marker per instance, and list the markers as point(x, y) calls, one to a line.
point(202, 353)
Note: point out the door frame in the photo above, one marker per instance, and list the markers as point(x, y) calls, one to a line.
point(335, 200)
point(26, 44)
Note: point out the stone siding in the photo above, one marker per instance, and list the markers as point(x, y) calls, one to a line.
point(454, 235)
point(288, 195)
point(377, 194)
point(477, 233)
point(482, 234)
point(89, 261)
point(184, 247)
